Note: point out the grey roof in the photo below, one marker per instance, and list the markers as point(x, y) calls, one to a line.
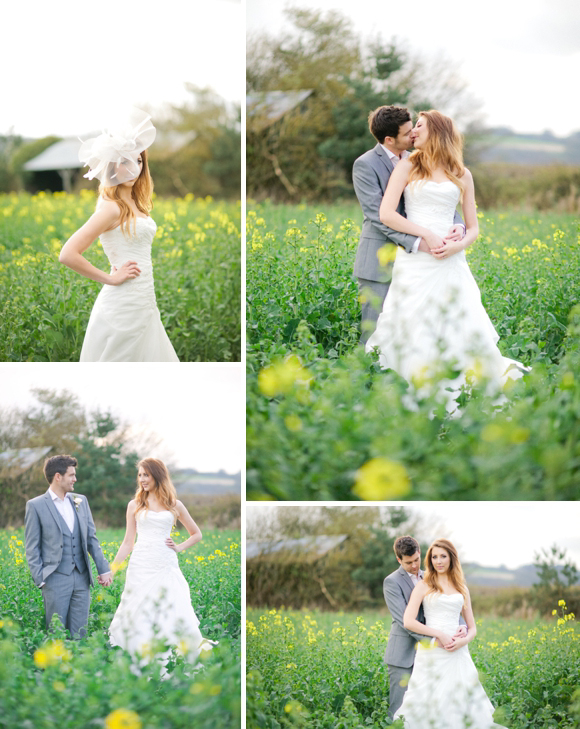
point(19, 460)
point(311, 546)
point(63, 155)
point(266, 107)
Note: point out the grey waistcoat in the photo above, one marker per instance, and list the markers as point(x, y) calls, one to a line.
point(72, 550)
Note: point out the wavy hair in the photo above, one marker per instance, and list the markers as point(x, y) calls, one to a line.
point(443, 148)
point(141, 192)
point(455, 573)
point(163, 489)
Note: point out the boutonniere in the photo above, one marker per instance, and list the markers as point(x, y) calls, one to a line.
point(78, 501)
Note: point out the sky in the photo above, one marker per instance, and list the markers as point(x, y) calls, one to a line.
point(196, 408)
point(487, 532)
point(69, 66)
point(521, 58)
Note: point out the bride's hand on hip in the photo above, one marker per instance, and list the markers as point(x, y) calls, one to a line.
point(130, 269)
point(171, 544)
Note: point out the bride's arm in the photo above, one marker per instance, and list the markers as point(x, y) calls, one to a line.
point(410, 617)
point(388, 210)
point(190, 525)
point(129, 540)
point(71, 254)
point(467, 613)
point(470, 215)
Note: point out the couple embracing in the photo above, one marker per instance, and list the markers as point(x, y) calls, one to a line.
point(432, 624)
point(423, 313)
point(60, 536)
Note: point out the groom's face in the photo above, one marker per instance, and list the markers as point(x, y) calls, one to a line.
point(68, 480)
point(403, 140)
point(411, 564)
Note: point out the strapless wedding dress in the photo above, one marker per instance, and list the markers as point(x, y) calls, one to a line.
point(156, 604)
point(433, 316)
point(125, 325)
point(444, 690)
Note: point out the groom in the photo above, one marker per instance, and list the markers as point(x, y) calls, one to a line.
point(401, 645)
point(393, 129)
point(60, 535)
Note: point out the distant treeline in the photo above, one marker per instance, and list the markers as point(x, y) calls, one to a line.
point(197, 150)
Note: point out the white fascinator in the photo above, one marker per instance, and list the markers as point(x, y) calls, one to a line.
point(112, 157)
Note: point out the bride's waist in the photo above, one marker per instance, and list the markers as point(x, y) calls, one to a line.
point(439, 223)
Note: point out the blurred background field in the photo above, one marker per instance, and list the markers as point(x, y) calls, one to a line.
point(48, 680)
point(45, 307)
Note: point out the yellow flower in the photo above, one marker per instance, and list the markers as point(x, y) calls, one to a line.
point(561, 603)
point(123, 719)
point(280, 378)
point(381, 479)
point(293, 423)
point(387, 253)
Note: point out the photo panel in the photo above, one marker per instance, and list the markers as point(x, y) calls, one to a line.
point(412, 319)
point(449, 614)
point(120, 543)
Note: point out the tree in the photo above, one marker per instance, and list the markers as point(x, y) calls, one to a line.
point(207, 159)
point(556, 575)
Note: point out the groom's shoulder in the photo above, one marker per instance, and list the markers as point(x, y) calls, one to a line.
point(392, 576)
point(367, 157)
point(36, 500)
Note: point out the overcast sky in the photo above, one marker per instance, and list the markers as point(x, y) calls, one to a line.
point(490, 533)
point(197, 408)
point(67, 66)
point(520, 57)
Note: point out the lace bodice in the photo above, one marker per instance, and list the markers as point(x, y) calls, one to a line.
point(432, 204)
point(442, 611)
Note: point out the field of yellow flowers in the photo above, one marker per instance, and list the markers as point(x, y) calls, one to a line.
point(48, 680)
point(45, 307)
point(325, 670)
point(324, 422)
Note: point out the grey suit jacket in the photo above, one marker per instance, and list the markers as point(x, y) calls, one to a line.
point(370, 175)
point(43, 534)
point(397, 589)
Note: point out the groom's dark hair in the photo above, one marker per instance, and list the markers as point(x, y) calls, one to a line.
point(58, 464)
point(406, 547)
point(387, 120)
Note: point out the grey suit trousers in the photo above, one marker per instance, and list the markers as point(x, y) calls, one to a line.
point(396, 690)
point(68, 596)
point(373, 294)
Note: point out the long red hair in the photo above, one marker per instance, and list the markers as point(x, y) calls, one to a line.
point(443, 148)
point(141, 192)
point(163, 488)
point(455, 573)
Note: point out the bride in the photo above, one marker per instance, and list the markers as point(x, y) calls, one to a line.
point(444, 688)
point(125, 325)
point(433, 327)
point(155, 605)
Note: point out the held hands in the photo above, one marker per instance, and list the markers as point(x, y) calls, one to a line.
point(130, 269)
point(105, 580)
point(171, 544)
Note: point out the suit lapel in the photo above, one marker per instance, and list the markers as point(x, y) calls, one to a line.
point(407, 577)
point(384, 157)
point(52, 509)
point(82, 524)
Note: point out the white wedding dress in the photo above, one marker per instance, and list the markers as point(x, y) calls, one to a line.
point(125, 325)
point(156, 604)
point(432, 315)
point(444, 690)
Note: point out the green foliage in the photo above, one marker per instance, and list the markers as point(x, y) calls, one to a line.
point(325, 670)
point(92, 679)
point(45, 307)
point(556, 575)
point(319, 408)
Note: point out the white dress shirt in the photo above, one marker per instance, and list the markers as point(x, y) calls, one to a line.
point(65, 509)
